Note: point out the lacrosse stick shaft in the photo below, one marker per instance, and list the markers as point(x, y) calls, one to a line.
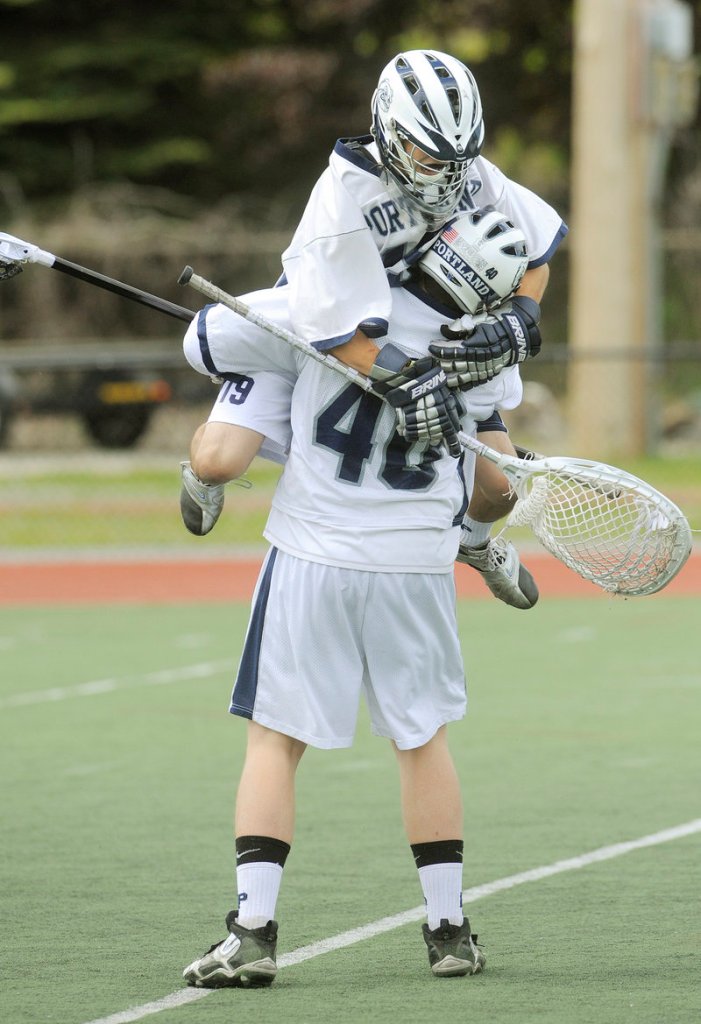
point(15, 253)
point(527, 453)
point(126, 291)
point(216, 294)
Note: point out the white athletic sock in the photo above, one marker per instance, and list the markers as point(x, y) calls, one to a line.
point(474, 534)
point(258, 886)
point(442, 889)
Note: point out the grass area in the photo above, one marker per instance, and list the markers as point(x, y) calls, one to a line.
point(117, 864)
point(123, 508)
point(139, 508)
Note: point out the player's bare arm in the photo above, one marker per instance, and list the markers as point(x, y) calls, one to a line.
point(360, 352)
point(534, 282)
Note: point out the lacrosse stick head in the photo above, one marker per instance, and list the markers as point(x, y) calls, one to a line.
point(607, 525)
point(14, 253)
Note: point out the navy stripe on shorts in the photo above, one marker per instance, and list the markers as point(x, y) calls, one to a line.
point(243, 697)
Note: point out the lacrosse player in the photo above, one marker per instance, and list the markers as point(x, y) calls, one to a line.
point(356, 595)
point(378, 206)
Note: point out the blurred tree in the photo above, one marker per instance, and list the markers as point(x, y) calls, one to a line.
point(218, 117)
point(521, 57)
point(202, 97)
point(247, 98)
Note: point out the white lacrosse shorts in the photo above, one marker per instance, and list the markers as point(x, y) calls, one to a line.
point(319, 636)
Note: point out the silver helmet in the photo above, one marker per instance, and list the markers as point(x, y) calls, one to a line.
point(427, 102)
point(478, 259)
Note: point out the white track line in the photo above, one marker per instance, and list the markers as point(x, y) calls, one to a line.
point(386, 924)
point(98, 686)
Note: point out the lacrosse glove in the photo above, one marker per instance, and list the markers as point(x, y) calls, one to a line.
point(417, 390)
point(503, 339)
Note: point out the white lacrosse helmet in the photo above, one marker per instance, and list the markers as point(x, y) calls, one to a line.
point(478, 259)
point(428, 101)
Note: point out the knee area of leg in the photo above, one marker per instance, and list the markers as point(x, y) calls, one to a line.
point(215, 467)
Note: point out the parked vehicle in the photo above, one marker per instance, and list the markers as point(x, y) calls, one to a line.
point(113, 388)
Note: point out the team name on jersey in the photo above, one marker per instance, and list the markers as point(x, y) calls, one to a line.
point(390, 217)
point(395, 215)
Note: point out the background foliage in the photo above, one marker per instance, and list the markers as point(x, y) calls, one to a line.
point(208, 98)
point(136, 138)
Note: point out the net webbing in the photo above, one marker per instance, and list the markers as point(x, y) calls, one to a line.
point(609, 533)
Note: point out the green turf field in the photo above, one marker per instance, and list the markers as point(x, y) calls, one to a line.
point(118, 767)
point(113, 505)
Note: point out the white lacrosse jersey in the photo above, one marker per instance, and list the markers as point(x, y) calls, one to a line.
point(359, 234)
point(258, 398)
point(353, 493)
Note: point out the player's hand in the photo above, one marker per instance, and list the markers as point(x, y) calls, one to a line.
point(479, 353)
point(426, 409)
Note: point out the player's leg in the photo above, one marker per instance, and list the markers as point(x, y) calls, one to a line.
point(250, 416)
point(491, 500)
point(219, 452)
point(299, 681)
point(430, 793)
point(265, 803)
point(264, 821)
point(432, 813)
point(415, 685)
point(264, 826)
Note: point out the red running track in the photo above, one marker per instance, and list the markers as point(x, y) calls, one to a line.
point(178, 582)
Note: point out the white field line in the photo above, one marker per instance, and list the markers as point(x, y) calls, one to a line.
point(386, 924)
point(167, 675)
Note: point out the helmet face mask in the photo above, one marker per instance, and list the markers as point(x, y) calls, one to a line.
point(427, 122)
point(435, 186)
point(478, 260)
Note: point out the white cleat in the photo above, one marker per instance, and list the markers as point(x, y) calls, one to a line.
point(501, 569)
point(200, 503)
